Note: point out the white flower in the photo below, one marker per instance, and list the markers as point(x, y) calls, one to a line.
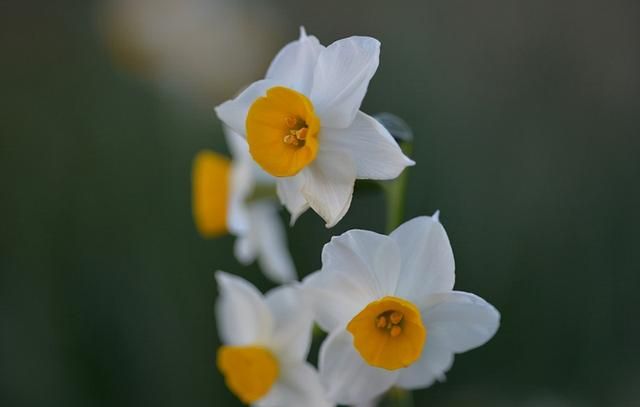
point(266, 342)
point(393, 318)
point(221, 202)
point(303, 124)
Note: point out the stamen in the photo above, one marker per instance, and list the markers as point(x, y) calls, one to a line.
point(396, 317)
point(290, 139)
point(395, 331)
point(290, 121)
point(302, 133)
point(381, 322)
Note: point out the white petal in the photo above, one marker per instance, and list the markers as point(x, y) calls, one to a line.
point(241, 313)
point(237, 145)
point(358, 267)
point(462, 321)
point(233, 112)
point(427, 259)
point(368, 257)
point(295, 63)
point(374, 151)
point(292, 320)
point(341, 78)
point(456, 322)
point(271, 242)
point(242, 184)
point(245, 249)
point(433, 363)
point(335, 297)
point(328, 186)
point(347, 378)
point(289, 191)
point(298, 385)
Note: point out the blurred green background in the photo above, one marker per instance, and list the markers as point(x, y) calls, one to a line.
point(526, 117)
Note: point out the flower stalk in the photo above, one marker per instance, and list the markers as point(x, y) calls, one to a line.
point(397, 397)
point(395, 192)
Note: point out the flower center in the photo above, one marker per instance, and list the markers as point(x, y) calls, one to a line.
point(282, 131)
point(249, 371)
point(388, 333)
point(210, 189)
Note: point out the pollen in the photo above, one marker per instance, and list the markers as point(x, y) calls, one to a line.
point(388, 333)
point(282, 131)
point(249, 371)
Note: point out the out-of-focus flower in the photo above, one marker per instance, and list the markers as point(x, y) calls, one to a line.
point(266, 342)
point(226, 198)
point(393, 317)
point(303, 124)
point(184, 45)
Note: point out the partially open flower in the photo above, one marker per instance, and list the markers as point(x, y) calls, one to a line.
point(389, 306)
point(266, 342)
point(304, 126)
point(223, 201)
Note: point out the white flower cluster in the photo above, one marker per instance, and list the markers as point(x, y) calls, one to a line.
point(387, 302)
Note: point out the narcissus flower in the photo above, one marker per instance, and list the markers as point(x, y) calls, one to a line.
point(389, 306)
point(304, 125)
point(266, 342)
point(223, 201)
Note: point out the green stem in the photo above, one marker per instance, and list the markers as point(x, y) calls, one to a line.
point(397, 397)
point(395, 194)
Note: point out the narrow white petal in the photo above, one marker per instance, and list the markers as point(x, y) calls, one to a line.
point(427, 259)
point(462, 321)
point(241, 312)
point(292, 320)
point(289, 191)
point(233, 112)
point(295, 63)
point(347, 378)
point(245, 249)
point(328, 186)
point(242, 184)
point(298, 385)
point(433, 363)
point(374, 151)
point(341, 78)
point(271, 242)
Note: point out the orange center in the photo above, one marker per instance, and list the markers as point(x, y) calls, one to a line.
point(210, 189)
point(282, 131)
point(388, 333)
point(249, 371)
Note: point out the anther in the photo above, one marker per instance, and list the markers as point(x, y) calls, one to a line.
point(290, 121)
point(381, 322)
point(395, 331)
point(302, 133)
point(290, 139)
point(396, 317)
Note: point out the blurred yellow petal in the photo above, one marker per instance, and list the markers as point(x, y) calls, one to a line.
point(210, 188)
point(282, 131)
point(388, 333)
point(249, 371)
